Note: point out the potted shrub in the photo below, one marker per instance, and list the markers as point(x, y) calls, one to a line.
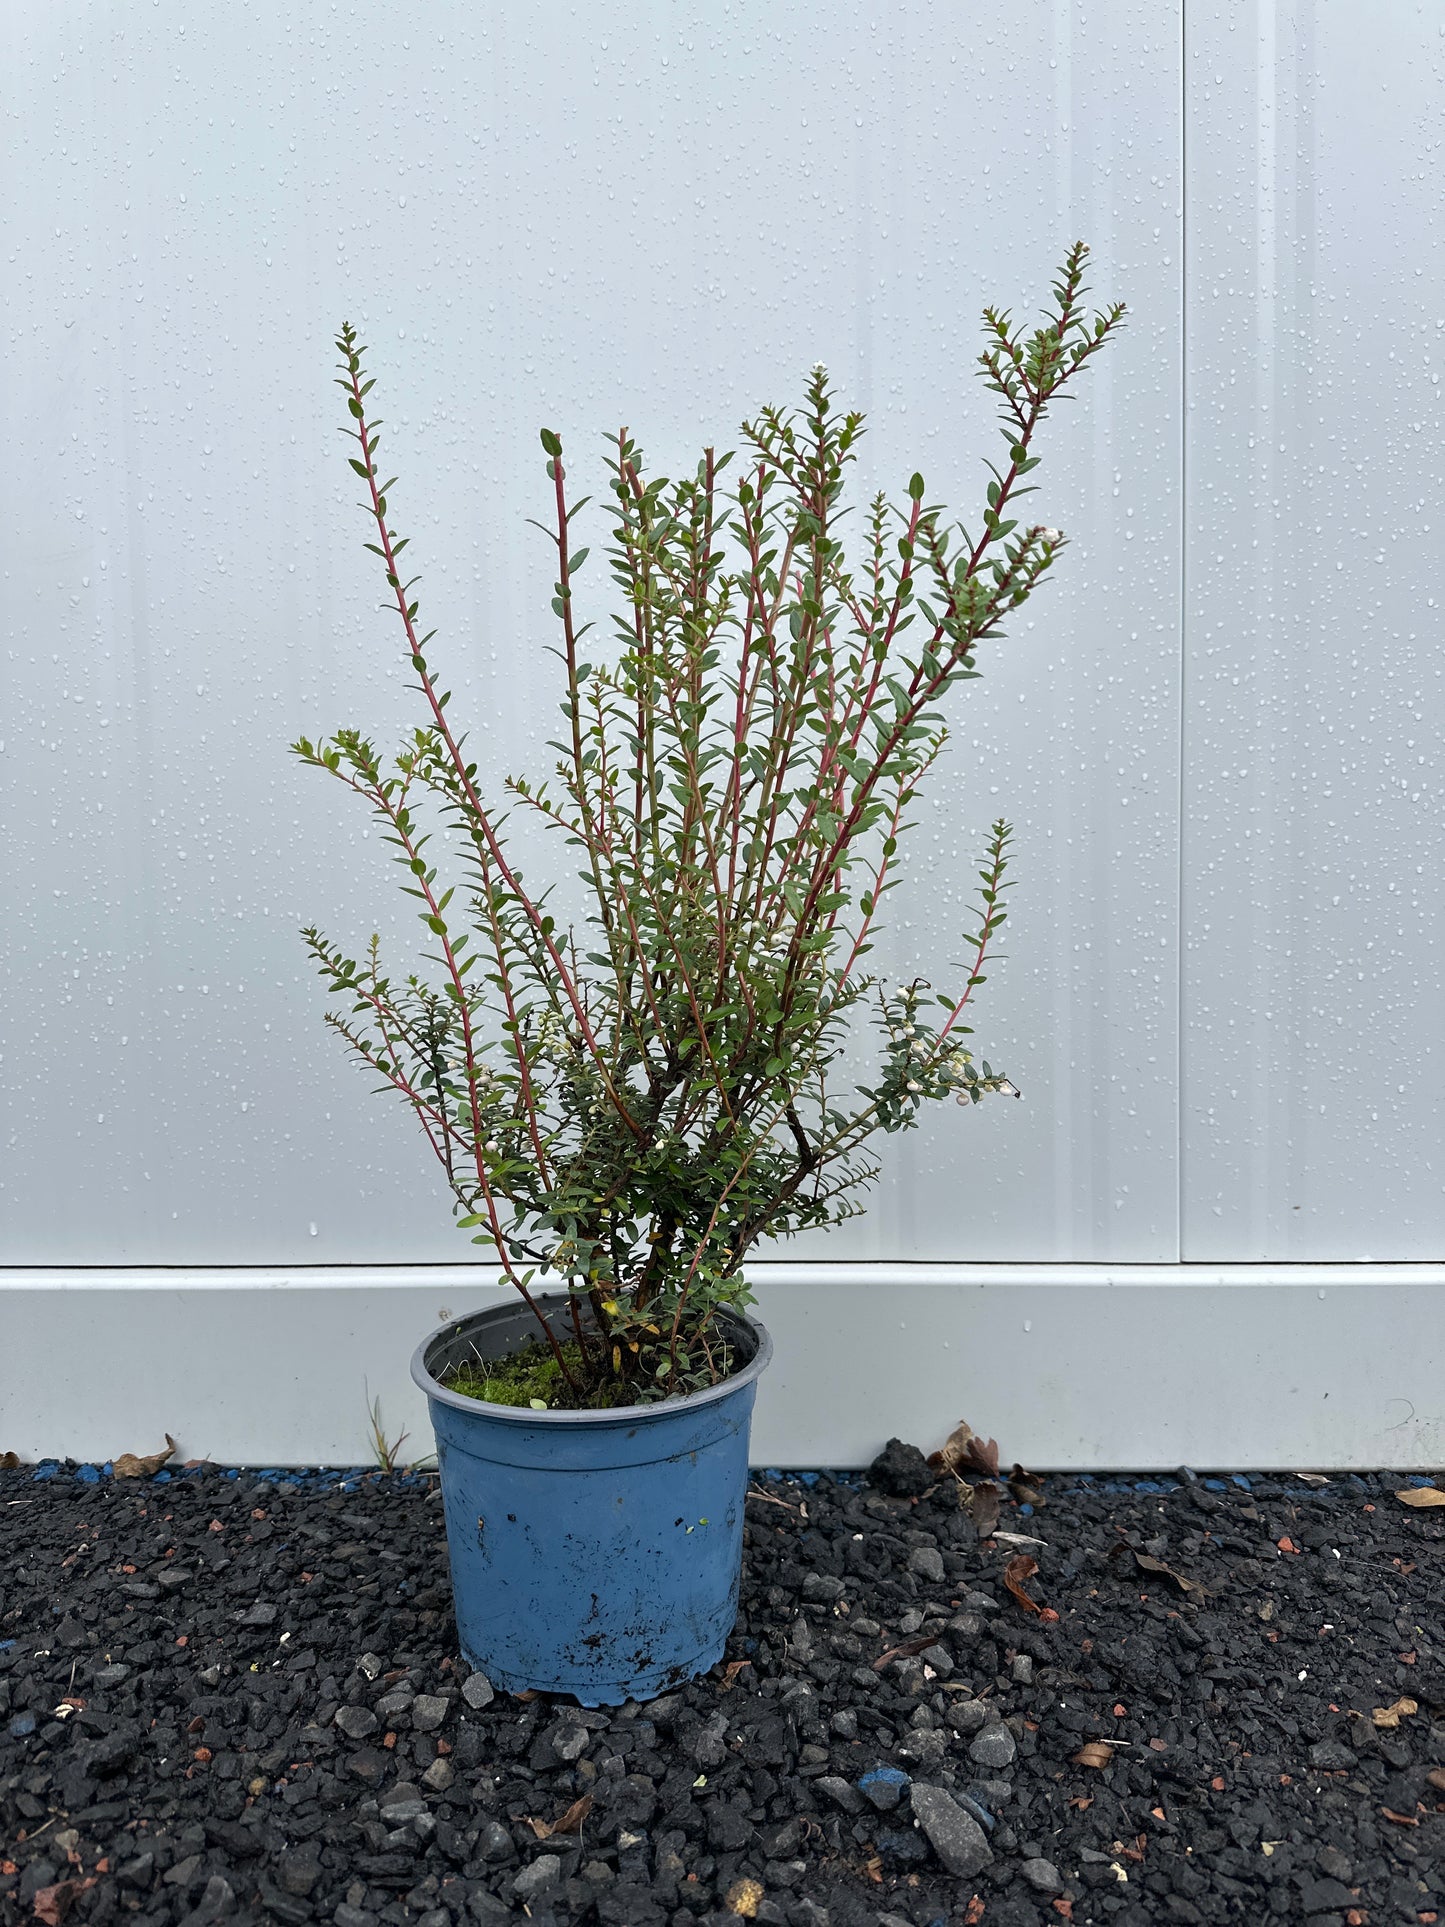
point(627, 1098)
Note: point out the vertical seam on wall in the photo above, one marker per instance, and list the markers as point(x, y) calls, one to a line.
point(1179, 1033)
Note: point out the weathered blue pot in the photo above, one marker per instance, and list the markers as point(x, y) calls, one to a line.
point(592, 1553)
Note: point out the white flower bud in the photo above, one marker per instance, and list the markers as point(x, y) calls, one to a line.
point(1051, 535)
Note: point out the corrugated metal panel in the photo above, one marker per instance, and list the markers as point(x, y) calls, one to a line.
point(1314, 823)
point(540, 216)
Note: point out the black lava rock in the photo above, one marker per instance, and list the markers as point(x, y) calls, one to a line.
point(244, 1697)
point(901, 1471)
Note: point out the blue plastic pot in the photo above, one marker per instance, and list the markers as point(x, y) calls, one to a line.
point(592, 1553)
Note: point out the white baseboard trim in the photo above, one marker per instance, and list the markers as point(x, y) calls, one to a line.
point(1068, 1366)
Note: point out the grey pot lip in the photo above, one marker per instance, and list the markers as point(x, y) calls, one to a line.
point(632, 1415)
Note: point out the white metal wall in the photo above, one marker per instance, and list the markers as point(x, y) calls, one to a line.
point(1216, 730)
point(663, 217)
point(1314, 817)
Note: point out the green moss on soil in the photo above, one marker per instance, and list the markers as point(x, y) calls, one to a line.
point(533, 1375)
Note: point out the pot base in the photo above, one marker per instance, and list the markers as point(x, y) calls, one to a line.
point(639, 1686)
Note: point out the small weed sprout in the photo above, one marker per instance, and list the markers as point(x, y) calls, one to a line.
point(386, 1452)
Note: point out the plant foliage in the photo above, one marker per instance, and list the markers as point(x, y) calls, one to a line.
point(629, 1104)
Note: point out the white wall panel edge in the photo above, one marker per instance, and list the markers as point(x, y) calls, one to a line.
point(1069, 1366)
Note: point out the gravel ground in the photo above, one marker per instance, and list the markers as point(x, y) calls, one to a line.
point(237, 1697)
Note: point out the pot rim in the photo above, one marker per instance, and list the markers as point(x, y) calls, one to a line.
point(661, 1408)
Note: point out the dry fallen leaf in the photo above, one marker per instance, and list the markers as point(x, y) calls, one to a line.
point(1389, 1717)
point(1436, 1778)
point(129, 1466)
point(974, 1912)
point(571, 1821)
point(1016, 1574)
point(1312, 1478)
point(9, 1461)
point(984, 1509)
point(52, 1904)
point(1401, 1819)
point(730, 1673)
point(908, 1649)
point(1024, 1488)
point(964, 1451)
point(1421, 1495)
point(1096, 1753)
point(1018, 1570)
point(950, 1454)
point(1190, 1587)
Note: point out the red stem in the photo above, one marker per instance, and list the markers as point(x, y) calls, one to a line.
point(483, 821)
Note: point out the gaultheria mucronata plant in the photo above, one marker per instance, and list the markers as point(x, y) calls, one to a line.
point(628, 1104)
